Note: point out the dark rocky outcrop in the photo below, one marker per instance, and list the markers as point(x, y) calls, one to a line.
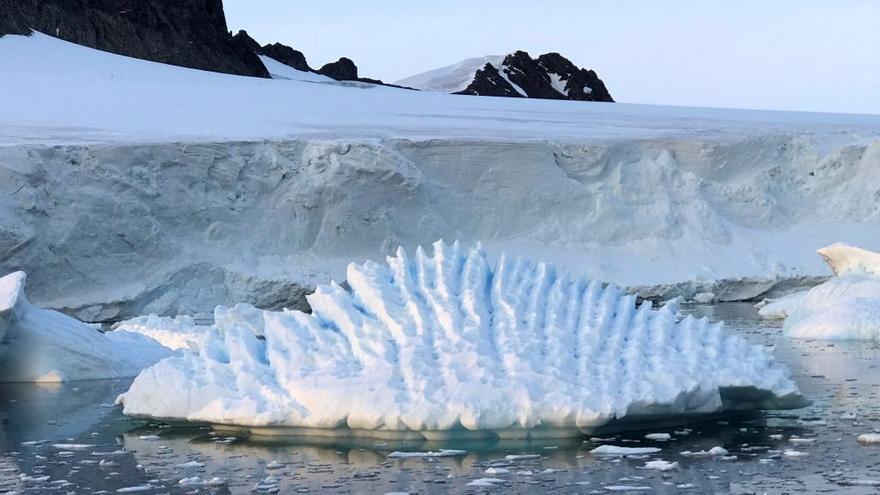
point(551, 76)
point(188, 33)
point(488, 82)
point(286, 55)
point(277, 51)
point(341, 70)
point(245, 40)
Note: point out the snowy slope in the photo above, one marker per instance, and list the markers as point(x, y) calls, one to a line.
point(450, 345)
point(56, 92)
point(452, 78)
point(329, 173)
point(283, 71)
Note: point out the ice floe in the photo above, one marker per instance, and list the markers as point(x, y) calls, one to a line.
point(846, 307)
point(869, 438)
point(453, 346)
point(38, 345)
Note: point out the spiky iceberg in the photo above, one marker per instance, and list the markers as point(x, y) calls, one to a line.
point(39, 345)
point(452, 345)
point(846, 307)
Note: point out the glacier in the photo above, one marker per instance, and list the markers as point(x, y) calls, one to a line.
point(452, 345)
point(37, 345)
point(846, 307)
point(129, 187)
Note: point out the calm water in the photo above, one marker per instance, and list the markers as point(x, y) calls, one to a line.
point(70, 439)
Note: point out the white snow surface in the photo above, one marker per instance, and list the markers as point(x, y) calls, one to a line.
point(58, 92)
point(37, 345)
point(451, 344)
point(224, 189)
point(451, 78)
point(846, 307)
point(280, 70)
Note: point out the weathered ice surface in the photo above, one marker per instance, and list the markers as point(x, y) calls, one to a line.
point(451, 345)
point(37, 345)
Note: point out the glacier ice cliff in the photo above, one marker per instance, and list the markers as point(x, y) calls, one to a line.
point(38, 345)
point(846, 307)
point(452, 345)
point(111, 231)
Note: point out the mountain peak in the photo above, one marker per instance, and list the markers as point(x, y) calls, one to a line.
point(551, 76)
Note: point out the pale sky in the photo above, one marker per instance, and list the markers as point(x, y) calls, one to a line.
point(813, 55)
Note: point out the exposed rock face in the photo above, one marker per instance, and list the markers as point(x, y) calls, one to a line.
point(245, 40)
point(551, 76)
point(188, 33)
point(287, 55)
point(489, 82)
point(341, 70)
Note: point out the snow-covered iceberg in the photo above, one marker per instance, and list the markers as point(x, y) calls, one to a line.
point(451, 345)
point(846, 307)
point(38, 345)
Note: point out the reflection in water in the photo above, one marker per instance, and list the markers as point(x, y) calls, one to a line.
point(85, 445)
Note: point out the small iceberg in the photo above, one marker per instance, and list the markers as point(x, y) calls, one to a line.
point(846, 307)
point(449, 346)
point(38, 345)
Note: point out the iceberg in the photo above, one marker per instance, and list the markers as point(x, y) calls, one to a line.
point(452, 346)
point(38, 345)
point(846, 307)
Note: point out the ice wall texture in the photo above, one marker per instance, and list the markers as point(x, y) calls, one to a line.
point(109, 232)
point(37, 345)
point(449, 344)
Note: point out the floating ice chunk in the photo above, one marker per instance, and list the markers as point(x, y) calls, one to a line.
point(846, 307)
point(860, 482)
point(486, 482)
point(136, 489)
point(521, 457)
point(660, 465)
point(627, 488)
point(795, 453)
point(38, 345)
point(658, 437)
point(439, 453)
point(613, 450)
point(716, 451)
point(451, 346)
point(869, 438)
point(72, 446)
point(496, 470)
